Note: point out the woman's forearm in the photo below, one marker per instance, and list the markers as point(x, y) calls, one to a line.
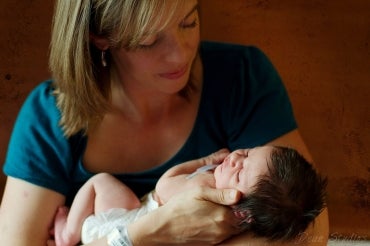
point(192, 217)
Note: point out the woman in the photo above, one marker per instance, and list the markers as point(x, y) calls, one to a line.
point(134, 92)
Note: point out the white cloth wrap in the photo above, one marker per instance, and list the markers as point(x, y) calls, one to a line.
point(101, 224)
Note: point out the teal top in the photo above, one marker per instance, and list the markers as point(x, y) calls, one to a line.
point(243, 104)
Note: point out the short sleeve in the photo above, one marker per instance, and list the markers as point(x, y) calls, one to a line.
point(260, 109)
point(38, 152)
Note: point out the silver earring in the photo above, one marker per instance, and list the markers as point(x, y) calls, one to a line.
point(103, 59)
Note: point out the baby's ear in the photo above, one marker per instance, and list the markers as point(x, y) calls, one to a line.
point(244, 215)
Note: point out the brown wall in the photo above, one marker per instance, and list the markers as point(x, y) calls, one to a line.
point(320, 47)
point(24, 38)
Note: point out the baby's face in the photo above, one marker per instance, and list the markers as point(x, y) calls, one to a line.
point(241, 168)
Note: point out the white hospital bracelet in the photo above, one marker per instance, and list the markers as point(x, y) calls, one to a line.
point(119, 237)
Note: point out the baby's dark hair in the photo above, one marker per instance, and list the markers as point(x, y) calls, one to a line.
point(286, 200)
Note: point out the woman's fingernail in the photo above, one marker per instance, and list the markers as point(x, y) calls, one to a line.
point(233, 194)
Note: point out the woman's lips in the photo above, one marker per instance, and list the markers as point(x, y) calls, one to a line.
point(175, 74)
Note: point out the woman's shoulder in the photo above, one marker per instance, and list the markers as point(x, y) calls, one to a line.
point(42, 91)
point(38, 151)
point(41, 102)
point(225, 64)
point(242, 85)
point(211, 49)
point(39, 114)
point(224, 60)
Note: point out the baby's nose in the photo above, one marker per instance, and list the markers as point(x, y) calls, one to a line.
point(234, 162)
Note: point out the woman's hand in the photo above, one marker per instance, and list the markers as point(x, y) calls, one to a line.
point(174, 181)
point(196, 216)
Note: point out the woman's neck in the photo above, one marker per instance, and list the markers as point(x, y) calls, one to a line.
point(149, 105)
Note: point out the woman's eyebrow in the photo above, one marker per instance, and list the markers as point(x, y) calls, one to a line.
point(195, 8)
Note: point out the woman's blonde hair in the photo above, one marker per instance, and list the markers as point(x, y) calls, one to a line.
point(75, 63)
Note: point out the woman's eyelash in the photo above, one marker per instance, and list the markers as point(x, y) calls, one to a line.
point(183, 25)
point(146, 46)
point(190, 25)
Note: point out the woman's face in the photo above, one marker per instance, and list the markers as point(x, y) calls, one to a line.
point(240, 169)
point(163, 61)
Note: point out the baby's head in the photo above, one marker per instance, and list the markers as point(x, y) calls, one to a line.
point(282, 193)
point(242, 168)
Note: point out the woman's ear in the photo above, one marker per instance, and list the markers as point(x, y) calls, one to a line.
point(99, 42)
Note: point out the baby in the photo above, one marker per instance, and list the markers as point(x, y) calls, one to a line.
point(282, 194)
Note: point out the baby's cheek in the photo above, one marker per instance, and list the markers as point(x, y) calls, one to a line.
point(221, 184)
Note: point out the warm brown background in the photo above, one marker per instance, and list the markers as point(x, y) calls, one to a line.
point(320, 47)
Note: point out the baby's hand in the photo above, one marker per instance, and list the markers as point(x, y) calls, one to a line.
point(202, 169)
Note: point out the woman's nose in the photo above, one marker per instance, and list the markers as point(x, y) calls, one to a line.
point(176, 48)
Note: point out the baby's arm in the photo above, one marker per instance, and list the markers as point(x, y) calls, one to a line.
point(174, 180)
point(191, 166)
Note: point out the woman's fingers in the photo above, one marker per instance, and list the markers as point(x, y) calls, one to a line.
point(198, 216)
point(220, 196)
point(216, 157)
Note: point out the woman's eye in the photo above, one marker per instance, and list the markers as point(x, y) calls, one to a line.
point(148, 42)
point(146, 46)
point(188, 24)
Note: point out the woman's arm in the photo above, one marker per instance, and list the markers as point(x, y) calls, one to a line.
point(193, 217)
point(318, 232)
point(27, 213)
point(294, 140)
